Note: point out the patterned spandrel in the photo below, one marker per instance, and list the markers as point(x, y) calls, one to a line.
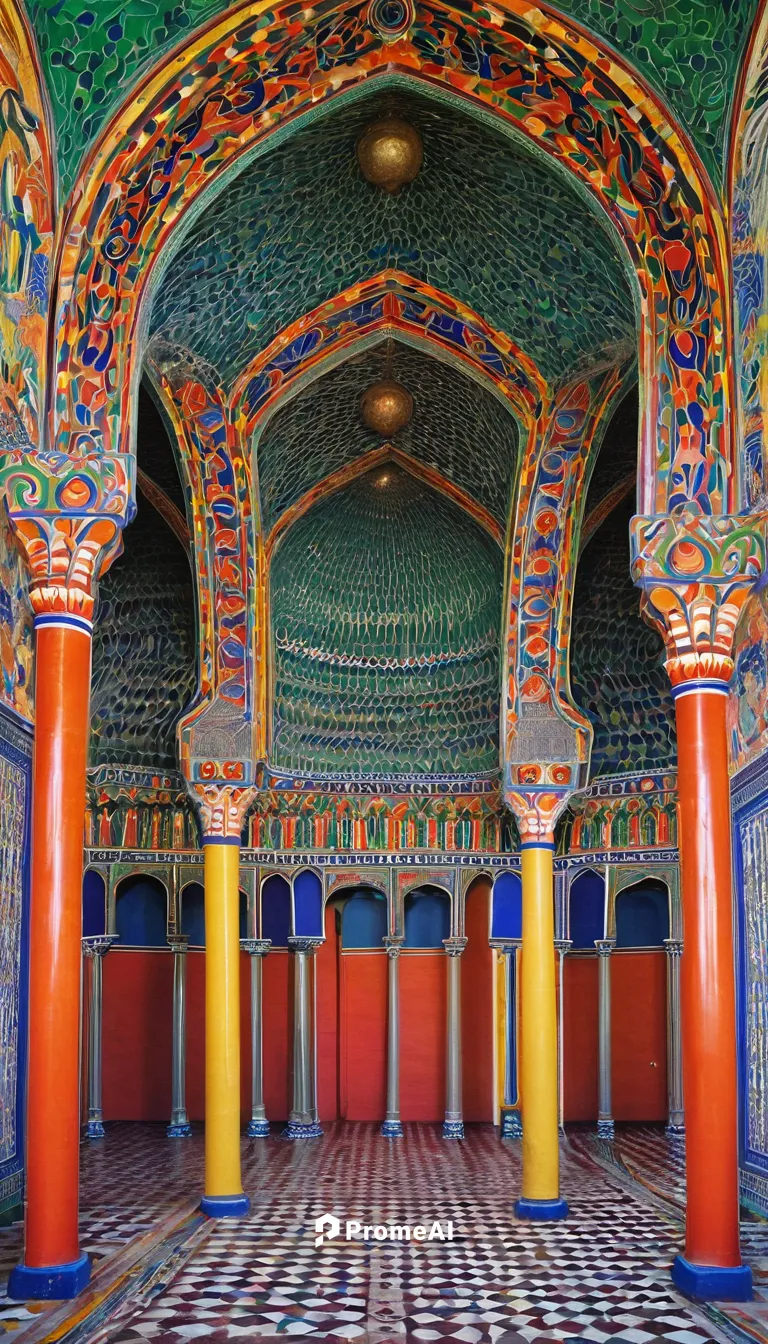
point(754, 846)
point(458, 428)
point(485, 221)
point(143, 648)
point(92, 55)
point(13, 793)
point(617, 672)
point(386, 612)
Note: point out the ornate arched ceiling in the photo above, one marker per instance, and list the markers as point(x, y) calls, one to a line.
point(458, 428)
point(486, 221)
point(386, 609)
point(688, 50)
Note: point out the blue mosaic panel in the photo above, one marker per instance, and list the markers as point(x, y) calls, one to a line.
point(458, 427)
point(301, 224)
point(386, 612)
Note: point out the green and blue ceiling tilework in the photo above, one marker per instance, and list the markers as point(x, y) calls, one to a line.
point(386, 612)
point(617, 671)
point(485, 221)
point(458, 427)
point(93, 53)
point(144, 648)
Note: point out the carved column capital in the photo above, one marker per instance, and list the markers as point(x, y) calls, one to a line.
point(605, 946)
point(304, 943)
point(696, 572)
point(222, 809)
point(537, 812)
point(99, 946)
point(454, 946)
point(178, 942)
point(255, 947)
point(394, 947)
point(673, 947)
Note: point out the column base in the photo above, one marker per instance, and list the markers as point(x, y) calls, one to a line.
point(295, 1129)
point(712, 1283)
point(225, 1206)
point(49, 1283)
point(674, 1131)
point(606, 1129)
point(258, 1129)
point(453, 1129)
point(179, 1131)
point(94, 1129)
point(511, 1125)
point(541, 1210)
point(392, 1129)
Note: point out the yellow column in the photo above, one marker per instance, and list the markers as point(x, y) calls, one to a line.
point(222, 812)
point(538, 1047)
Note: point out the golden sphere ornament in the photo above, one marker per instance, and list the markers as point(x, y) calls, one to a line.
point(386, 407)
point(390, 153)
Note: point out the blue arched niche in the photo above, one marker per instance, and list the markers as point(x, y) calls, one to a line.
point(94, 904)
point(586, 910)
point(364, 919)
point(427, 918)
point(507, 907)
point(141, 912)
point(308, 904)
point(276, 910)
point(642, 914)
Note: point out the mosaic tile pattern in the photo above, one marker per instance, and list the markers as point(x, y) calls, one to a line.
point(617, 673)
point(143, 648)
point(386, 610)
point(601, 1275)
point(267, 252)
point(92, 54)
point(458, 428)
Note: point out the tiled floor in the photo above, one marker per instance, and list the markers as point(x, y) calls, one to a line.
point(601, 1275)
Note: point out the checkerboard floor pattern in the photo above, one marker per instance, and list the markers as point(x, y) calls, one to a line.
point(602, 1275)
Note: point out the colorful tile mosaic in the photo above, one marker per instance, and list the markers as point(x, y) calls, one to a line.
point(16, 632)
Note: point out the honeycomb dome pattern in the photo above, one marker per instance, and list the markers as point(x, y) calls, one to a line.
point(386, 612)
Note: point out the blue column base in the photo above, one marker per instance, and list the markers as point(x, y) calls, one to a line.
point(605, 1130)
point(392, 1129)
point(541, 1210)
point(258, 1129)
point(225, 1206)
point(712, 1283)
point(49, 1283)
point(511, 1125)
point(95, 1130)
point(179, 1131)
point(674, 1131)
point(453, 1129)
point(295, 1130)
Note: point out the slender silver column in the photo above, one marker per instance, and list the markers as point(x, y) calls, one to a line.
point(392, 1127)
point(562, 945)
point(179, 1127)
point(95, 949)
point(605, 1128)
point(511, 1116)
point(453, 1124)
point(258, 1125)
point(302, 1121)
point(676, 1121)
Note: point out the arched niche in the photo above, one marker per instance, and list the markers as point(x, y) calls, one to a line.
point(586, 910)
point(427, 918)
point(307, 904)
point(363, 920)
point(94, 904)
point(275, 903)
point(642, 914)
point(192, 898)
point(141, 911)
point(507, 907)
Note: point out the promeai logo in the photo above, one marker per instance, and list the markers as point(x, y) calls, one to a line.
point(328, 1226)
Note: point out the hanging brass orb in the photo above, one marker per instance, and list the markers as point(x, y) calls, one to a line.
point(386, 407)
point(390, 153)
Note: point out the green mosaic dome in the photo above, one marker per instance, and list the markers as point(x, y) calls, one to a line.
point(386, 611)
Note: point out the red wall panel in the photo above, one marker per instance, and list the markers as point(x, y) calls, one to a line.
point(276, 984)
point(477, 1008)
point(580, 1038)
point(639, 1035)
point(138, 1034)
point(327, 1002)
point(422, 1035)
point(196, 1035)
point(364, 1003)
point(245, 1036)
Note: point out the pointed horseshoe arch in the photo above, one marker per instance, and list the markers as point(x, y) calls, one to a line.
point(251, 74)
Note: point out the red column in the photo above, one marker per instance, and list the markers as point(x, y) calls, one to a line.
point(53, 1266)
point(712, 1265)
